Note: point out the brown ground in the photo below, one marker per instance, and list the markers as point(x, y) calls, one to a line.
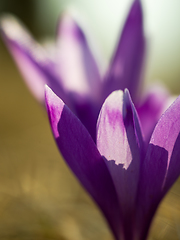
point(39, 197)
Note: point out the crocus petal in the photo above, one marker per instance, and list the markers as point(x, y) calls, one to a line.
point(82, 156)
point(161, 166)
point(34, 64)
point(119, 140)
point(151, 108)
point(125, 68)
point(77, 65)
point(166, 135)
point(87, 111)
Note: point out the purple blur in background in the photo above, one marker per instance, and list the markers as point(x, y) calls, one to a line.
point(73, 73)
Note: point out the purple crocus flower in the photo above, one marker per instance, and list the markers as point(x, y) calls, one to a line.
point(74, 75)
point(125, 177)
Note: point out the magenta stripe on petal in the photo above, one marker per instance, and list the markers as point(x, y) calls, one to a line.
point(82, 156)
point(119, 140)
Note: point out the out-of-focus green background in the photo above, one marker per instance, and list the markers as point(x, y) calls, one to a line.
point(39, 197)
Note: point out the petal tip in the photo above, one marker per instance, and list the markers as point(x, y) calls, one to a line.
point(54, 106)
point(50, 97)
point(127, 98)
point(12, 28)
point(136, 11)
point(68, 26)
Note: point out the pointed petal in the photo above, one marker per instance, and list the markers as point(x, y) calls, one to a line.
point(131, 121)
point(167, 136)
point(126, 65)
point(32, 61)
point(167, 130)
point(82, 156)
point(151, 108)
point(161, 166)
point(119, 140)
point(77, 64)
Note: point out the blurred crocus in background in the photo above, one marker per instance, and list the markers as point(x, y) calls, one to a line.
point(83, 88)
point(73, 73)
